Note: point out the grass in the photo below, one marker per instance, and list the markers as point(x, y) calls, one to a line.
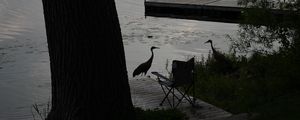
point(40, 112)
point(159, 114)
point(263, 84)
point(283, 108)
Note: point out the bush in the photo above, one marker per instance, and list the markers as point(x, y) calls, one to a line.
point(259, 79)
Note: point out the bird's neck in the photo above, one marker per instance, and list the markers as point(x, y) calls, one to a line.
point(151, 58)
point(212, 47)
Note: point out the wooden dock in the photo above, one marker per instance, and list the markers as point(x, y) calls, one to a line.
point(146, 93)
point(208, 10)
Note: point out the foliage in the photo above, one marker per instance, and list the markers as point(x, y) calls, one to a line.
point(266, 80)
point(259, 80)
point(158, 114)
point(286, 107)
point(273, 26)
point(269, 4)
point(262, 39)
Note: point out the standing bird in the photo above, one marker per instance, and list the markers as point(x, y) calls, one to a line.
point(217, 55)
point(223, 63)
point(144, 67)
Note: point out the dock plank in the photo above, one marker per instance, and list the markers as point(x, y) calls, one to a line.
point(225, 3)
point(147, 94)
point(191, 2)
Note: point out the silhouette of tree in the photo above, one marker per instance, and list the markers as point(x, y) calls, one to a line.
point(85, 49)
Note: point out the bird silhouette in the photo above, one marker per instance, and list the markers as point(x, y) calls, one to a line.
point(217, 55)
point(223, 63)
point(144, 67)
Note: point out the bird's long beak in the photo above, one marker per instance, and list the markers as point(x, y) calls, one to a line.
point(156, 47)
point(205, 42)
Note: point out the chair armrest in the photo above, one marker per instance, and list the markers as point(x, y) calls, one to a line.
point(160, 75)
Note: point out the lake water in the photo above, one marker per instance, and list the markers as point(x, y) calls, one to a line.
point(24, 59)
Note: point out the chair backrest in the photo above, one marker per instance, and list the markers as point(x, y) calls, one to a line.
point(183, 72)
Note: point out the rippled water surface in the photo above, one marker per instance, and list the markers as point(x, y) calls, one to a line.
point(24, 60)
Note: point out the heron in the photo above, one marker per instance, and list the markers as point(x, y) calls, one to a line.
point(225, 64)
point(216, 54)
point(144, 67)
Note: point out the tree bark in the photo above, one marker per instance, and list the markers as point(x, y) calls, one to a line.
point(87, 59)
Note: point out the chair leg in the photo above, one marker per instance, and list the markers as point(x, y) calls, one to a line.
point(184, 95)
point(166, 95)
point(180, 99)
point(172, 91)
point(173, 98)
point(194, 99)
point(191, 101)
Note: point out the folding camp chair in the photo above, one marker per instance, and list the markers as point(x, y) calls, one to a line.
point(182, 82)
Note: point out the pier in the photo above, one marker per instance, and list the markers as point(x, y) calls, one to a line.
point(227, 11)
point(207, 10)
point(146, 93)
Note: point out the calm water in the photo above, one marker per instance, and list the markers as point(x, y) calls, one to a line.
point(24, 60)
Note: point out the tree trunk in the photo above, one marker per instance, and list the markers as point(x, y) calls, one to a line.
point(88, 70)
